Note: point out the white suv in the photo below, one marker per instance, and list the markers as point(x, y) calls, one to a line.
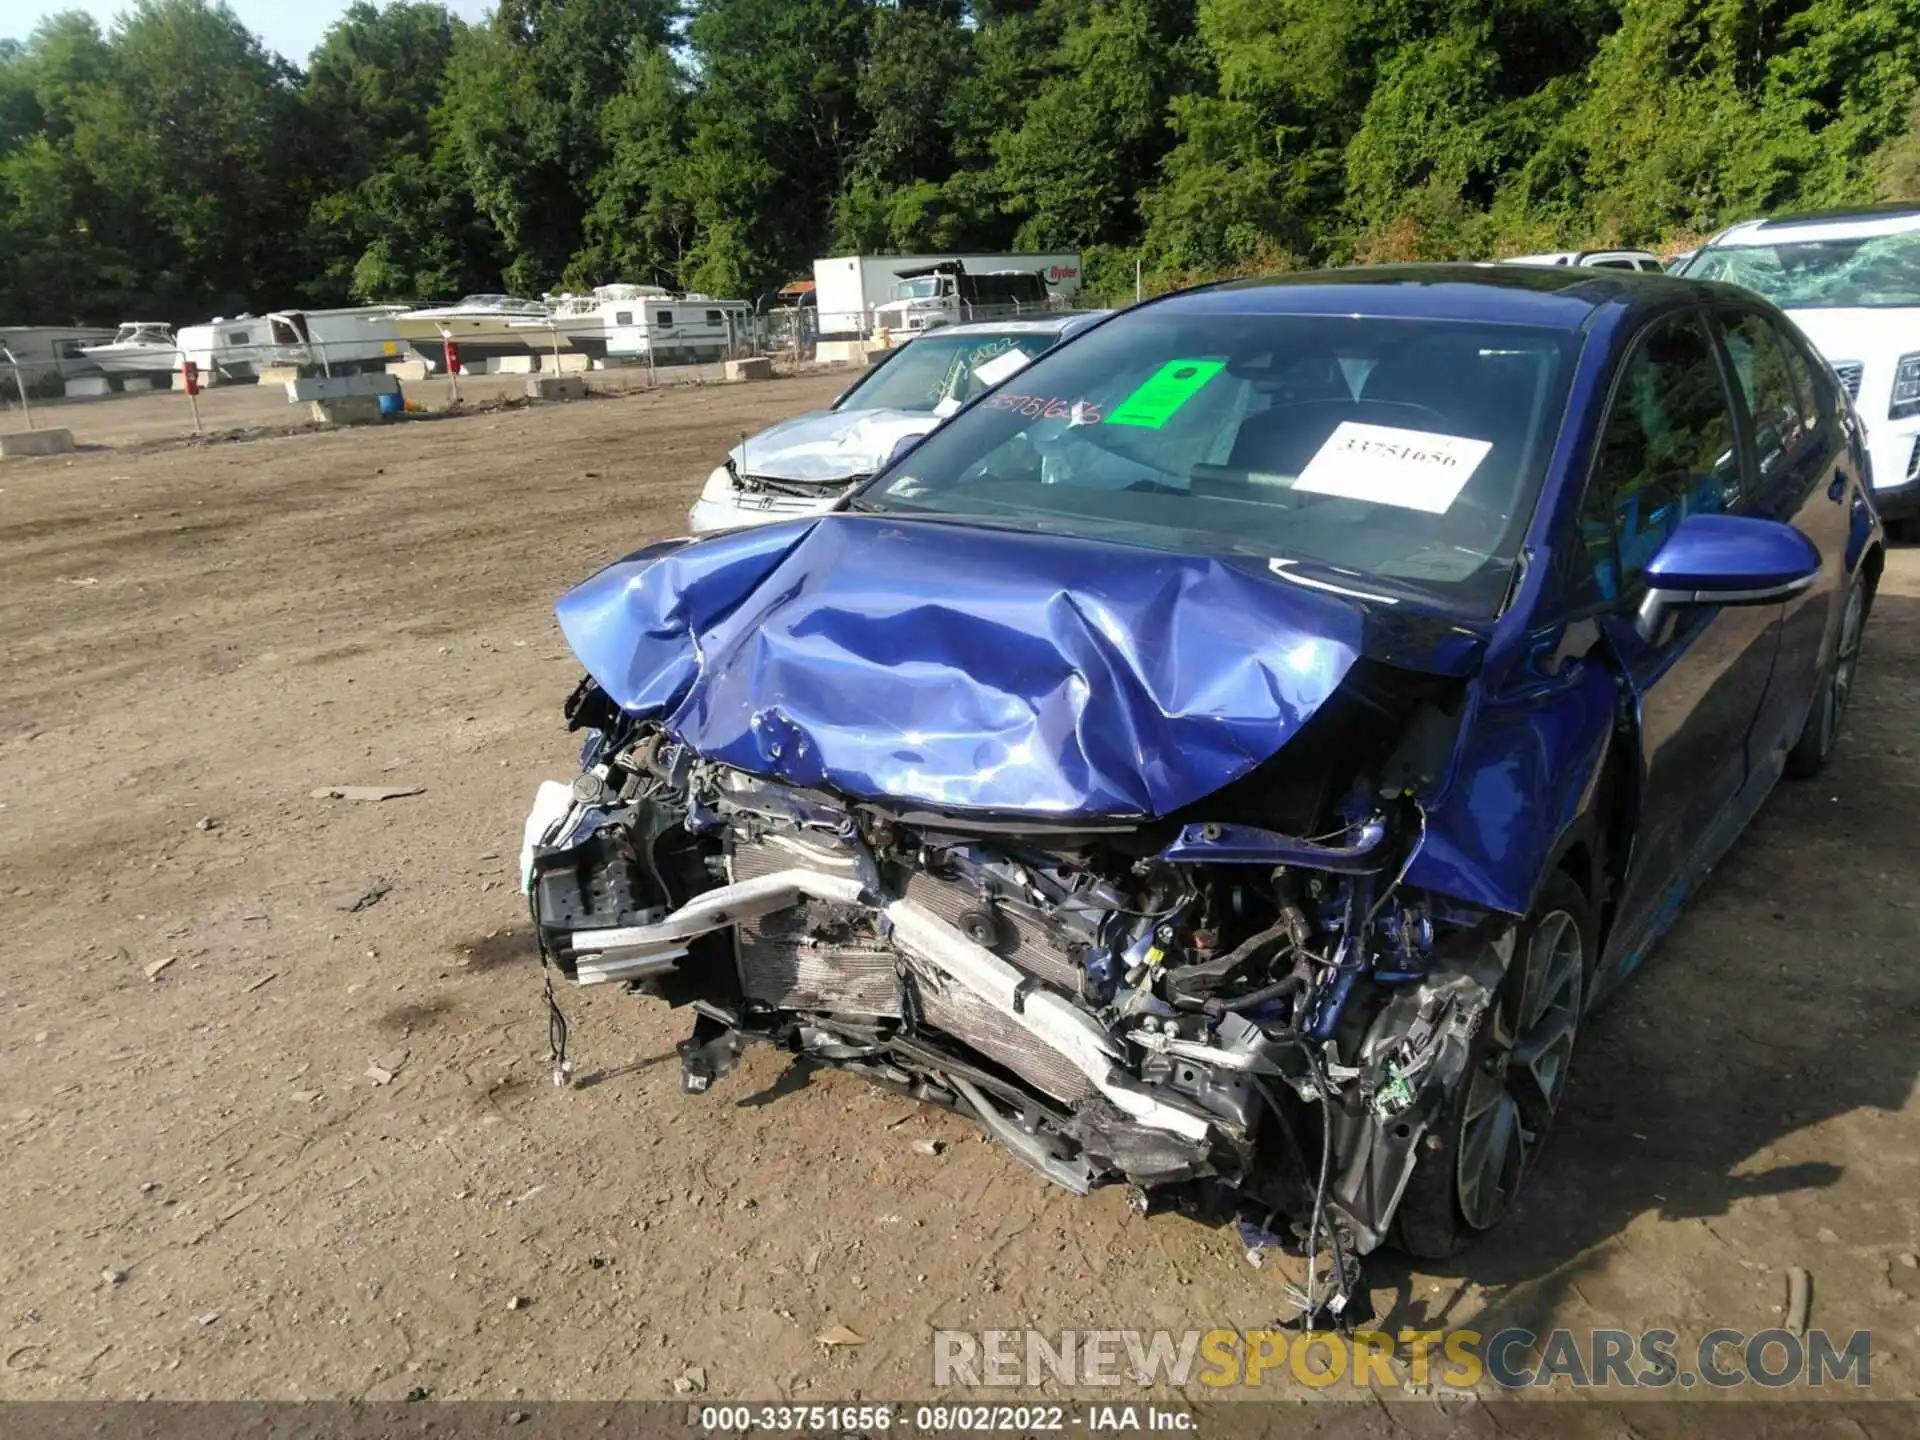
point(1593, 259)
point(1851, 281)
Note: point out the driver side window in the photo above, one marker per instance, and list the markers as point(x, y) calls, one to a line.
point(1666, 450)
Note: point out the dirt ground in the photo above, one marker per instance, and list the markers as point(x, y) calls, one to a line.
point(207, 1195)
point(250, 411)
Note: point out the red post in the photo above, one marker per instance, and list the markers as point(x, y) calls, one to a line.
point(190, 382)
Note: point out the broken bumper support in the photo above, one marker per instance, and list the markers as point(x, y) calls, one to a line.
point(635, 951)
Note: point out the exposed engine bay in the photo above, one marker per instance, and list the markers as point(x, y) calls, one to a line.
point(1240, 1011)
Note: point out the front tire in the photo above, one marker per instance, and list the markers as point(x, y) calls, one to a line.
point(1819, 735)
point(1492, 1128)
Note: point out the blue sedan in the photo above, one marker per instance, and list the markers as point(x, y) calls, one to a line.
point(1230, 758)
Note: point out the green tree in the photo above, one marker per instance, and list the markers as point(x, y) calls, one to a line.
point(524, 109)
point(172, 165)
point(641, 226)
point(1094, 131)
point(778, 126)
point(1898, 162)
point(193, 131)
point(396, 220)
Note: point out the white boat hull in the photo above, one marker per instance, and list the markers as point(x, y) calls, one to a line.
point(133, 359)
point(488, 337)
point(583, 333)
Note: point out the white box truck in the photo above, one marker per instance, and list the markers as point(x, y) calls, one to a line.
point(937, 289)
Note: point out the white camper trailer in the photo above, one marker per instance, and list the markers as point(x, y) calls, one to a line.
point(49, 359)
point(583, 322)
point(675, 329)
point(225, 349)
point(333, 342)
point(849, 289)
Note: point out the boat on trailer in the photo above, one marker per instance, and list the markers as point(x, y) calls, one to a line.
point(481, 325)
point(582, 322)
point(138, 347)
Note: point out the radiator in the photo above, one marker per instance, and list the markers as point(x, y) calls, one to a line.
point(948, 1006)
point(1021, 941)
point(821, 956)
point(815, 956)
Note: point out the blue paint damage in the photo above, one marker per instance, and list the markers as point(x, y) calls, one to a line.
point(1530, 752)
point(1000, 673)
point(971, 670)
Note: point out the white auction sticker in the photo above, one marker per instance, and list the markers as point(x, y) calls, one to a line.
point(1007, 362)
point(1414, 469)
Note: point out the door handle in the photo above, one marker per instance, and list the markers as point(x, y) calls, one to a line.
point(1839, 486)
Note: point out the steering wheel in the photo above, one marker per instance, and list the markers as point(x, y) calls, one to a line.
point(1412, 409)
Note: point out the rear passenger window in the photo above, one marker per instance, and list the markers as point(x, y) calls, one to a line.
point(1775, 396)
point(1666, 451)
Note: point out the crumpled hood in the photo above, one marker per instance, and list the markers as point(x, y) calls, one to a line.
point(829, 444)
point(966, 669)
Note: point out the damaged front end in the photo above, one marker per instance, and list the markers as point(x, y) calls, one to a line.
point(1240, 1009)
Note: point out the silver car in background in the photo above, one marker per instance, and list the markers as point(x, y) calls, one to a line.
point(804, 465)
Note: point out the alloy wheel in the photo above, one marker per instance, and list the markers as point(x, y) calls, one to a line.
point(1513, 1094)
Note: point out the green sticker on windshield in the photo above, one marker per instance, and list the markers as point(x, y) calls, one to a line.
point(1162, 393)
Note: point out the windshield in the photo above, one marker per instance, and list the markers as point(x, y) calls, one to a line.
point(1867, 271)
point(924, 288)
point(1385, 450)
point(941, 373)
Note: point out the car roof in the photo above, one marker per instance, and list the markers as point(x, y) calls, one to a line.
point(1571, 257)
point(1862, 221)
point(1556, 296)
point(1858, 212)
point(1055, 323)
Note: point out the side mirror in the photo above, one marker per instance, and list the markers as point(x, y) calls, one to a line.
point(1725, 560)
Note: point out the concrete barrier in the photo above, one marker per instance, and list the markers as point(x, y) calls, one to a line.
point(567, 362)
point(276, 374)
point(557, 387)
point(513, 364)
point(408, 369)
point(37, 442)
point(758, 368)
point(88, 386)
point(340, 387)
point(347, 410)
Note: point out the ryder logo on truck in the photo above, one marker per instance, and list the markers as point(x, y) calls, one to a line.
point(1062, 272)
